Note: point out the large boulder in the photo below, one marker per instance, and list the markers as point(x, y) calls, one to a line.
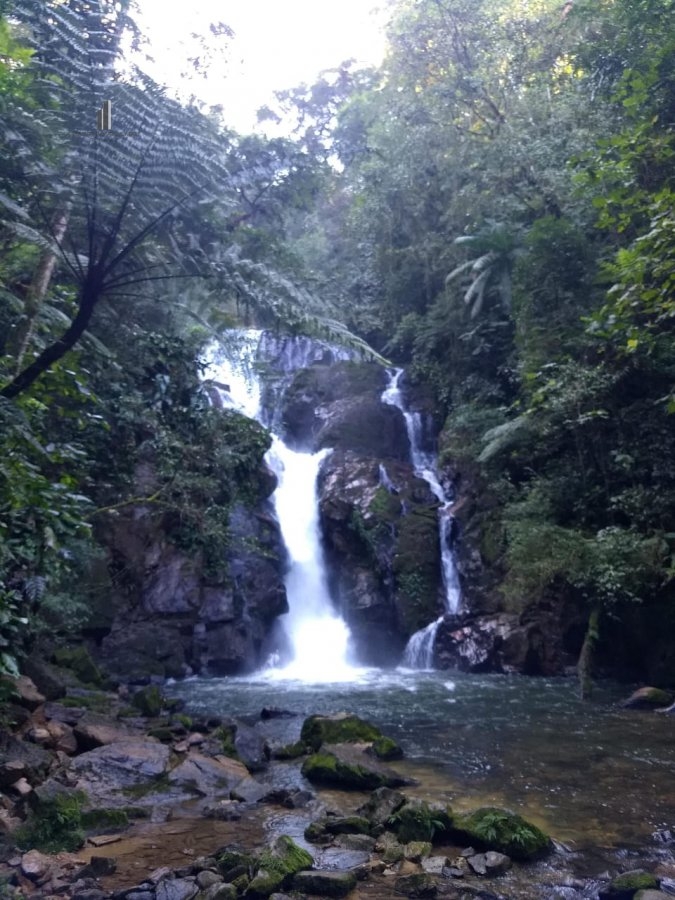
point(109, 773)
point(498, 829)
point(277, 866)
point(338, 728)
point(347, 766)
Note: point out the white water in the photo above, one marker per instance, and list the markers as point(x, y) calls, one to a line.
point(418, 653)
point(318, 636)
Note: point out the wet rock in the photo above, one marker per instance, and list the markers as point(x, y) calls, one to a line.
point(274, 712)
point(416, 851)
point(326, 884)
point(339, 728)
point(347, 825)
point(79, 661)
point(277, 866)
point(98, 867)
point(224, 811)
point(386, 748)
point(290, 751)
point(417, 885)
point(48, 678)
point(651, 895)
point(105, 771)
point(36, 865)
point(434, 865)
point(251, 747)
point(648, 698)
point(148, 701)
point(207, 775)
point(219, 892)
point(177, 889)
point(506, 832)
point(94, 730)
point(477, 864)
point(346, 766)
point(20, 759)
point(26, 692)
point(626, 885)
point(414, 821)
point(496, 863)
point(360, 842)
point(381, 805)
point(207, 879)
point(249, 791)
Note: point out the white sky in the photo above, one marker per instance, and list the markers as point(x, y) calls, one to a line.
point(278, 44)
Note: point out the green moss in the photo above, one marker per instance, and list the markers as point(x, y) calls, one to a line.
point(163, 733)
point(277, 865)
point(290, 751)
point(318, 730)
point(182, 719)
point(148, 701)
point(501, 830)
point(387, 748)
point(417, 567)
point(155, 785)
point(79, 661)
point(54, 825)
point(105, 818)
point(95, 701)
point(234, 859)
point(324, 768)
point(633, 881)
point(348, 825)
point(316, 832)
point(226, 735)
point(384, 506)
point(414, 822)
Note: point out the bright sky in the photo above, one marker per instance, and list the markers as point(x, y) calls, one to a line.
point(278, 44)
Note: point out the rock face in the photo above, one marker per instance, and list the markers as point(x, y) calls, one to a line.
point(170, 616)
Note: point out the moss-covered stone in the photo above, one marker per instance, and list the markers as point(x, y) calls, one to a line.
point(416, 885)
point(148, 701)
point(416, 851)
point(233, 862)
point(79, 661)
point(626, 885)
point(387, 748)
point(348, 825)
point(326, 768)
point(163, 733)
point(316, 832)
point(498, 829)
point(337, 729)
point(54, 824)
point(416, 567)
point(648, 698)
point(414, 821)
point(276, 867)
point(290, 751)
point(105, 819)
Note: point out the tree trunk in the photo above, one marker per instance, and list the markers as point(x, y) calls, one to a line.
point(585, 664)
point(89, 295)
point(37, 291)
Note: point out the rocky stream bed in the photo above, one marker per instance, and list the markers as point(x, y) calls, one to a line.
point(119, 794)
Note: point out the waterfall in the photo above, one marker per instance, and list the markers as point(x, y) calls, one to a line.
point(419, 651)
point(318, 636)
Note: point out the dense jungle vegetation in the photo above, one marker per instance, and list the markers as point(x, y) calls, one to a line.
point(492, 208)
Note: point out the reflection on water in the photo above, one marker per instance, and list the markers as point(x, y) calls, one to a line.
point(590, 773)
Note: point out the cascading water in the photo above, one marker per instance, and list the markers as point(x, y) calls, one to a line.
point(419, 651)
point(318, 637)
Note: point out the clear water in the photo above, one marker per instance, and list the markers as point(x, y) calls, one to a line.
point(592, 774)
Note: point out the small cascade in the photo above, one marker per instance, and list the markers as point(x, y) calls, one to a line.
point(419, 651)
point(318, 636)
point(385, 480)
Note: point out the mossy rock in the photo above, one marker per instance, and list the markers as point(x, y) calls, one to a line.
point(226, 735)
point(234, 858)
point(348, 825)
point(326, 768)
point(148, 701)
point(290, 751)
point(105, 819)
point(414, 821)
point(54, 825)
point(497, 829)
point(386, 748)
point(416, 566)
point(416, 885)
point(163, 733)
point(316, 832)
point(79, 661)
point(648, 698)
point(342, 728)
point(276, 867)
point(626, 885)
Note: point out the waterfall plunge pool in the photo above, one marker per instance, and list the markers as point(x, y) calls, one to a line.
point(592, 774)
